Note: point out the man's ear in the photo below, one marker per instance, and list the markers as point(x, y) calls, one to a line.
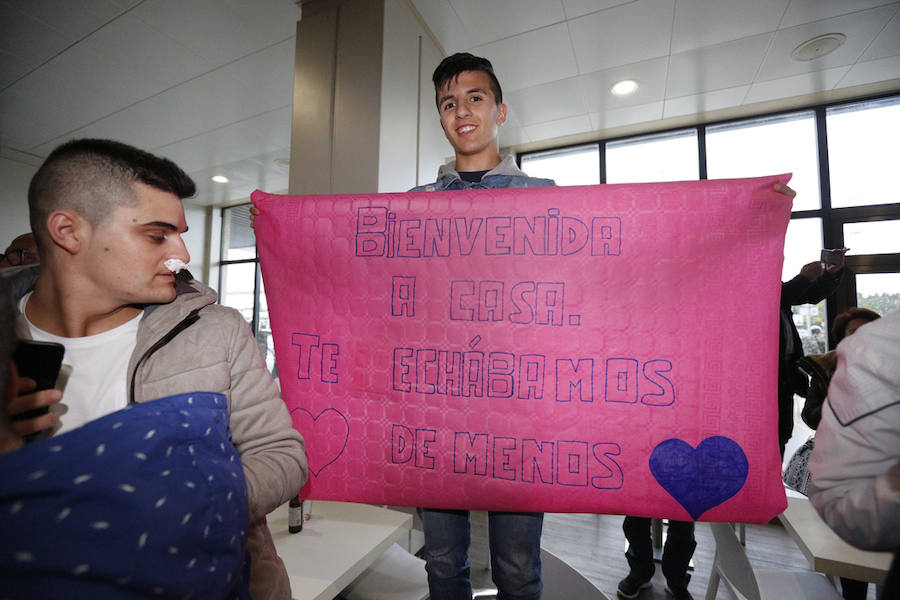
point(67, 230)
point(501, 114)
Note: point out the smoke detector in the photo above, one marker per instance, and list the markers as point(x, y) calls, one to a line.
point(818, 46)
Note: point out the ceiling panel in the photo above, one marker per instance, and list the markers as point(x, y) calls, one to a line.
point(650, 76)
point(872, 72)
point(888, 41)
point(157, 61)
point(806, 11)
point(702, 103)
point(445, 24)
point(547, 102)
point(796, 85)
point(861, 28)
point(210, 82)
point(619, 117)
point(222, 31)
point(561, 127)
point(579, 8)
point(622, 35)
point(716, 67)
point(531, 58)
point(200, 105)
point(708, 22)
point(498, 19)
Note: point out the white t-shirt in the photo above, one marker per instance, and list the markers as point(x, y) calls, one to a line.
point(94, 376)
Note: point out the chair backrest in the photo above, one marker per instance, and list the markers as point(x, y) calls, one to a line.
point(732, 563)
point(563, 582)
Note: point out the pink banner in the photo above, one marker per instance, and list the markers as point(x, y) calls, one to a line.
point(606, 349)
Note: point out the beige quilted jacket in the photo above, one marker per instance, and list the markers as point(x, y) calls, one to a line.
point(194, 344)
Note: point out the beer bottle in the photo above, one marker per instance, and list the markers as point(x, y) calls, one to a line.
point(295, 515)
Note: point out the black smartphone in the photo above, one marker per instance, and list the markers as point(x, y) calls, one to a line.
point(833, 256)
point(40, 361)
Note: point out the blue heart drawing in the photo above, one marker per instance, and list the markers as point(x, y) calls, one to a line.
point(703, 478)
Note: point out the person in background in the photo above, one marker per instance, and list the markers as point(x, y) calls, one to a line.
point(820, 368)
point(108, 220)
point(813, 284)
point(9, 380)
point(855, 466)
point(677, 553)
point(21, 251)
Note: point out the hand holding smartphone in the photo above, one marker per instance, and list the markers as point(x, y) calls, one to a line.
point(40, 361)
point(833, 256)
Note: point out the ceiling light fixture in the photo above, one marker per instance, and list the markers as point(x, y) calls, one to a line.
point(818, 46)
point(624, 87)
point(220, 179)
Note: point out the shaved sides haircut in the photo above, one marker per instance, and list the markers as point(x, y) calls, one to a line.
point(94, 177)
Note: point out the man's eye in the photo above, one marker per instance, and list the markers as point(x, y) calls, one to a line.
point(159, 239)
point(449, 105)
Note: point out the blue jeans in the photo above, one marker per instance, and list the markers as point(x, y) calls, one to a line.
point(515, 541)
point(677, 552)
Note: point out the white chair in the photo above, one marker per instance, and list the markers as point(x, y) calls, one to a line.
point(563, 582)
point(396, 575)
point(732, 566)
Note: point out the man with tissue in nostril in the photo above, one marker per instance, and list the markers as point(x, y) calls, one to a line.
point(108, 220)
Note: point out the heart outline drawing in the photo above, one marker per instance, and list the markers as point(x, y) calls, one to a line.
point(702, 478)
point(333, 418)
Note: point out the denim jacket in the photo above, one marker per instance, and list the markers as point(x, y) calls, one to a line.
point(504, 175)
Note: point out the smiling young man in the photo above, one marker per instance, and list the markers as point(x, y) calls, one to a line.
point(470, 105)
point(108, 219)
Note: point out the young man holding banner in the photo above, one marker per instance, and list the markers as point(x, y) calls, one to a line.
point(470, 105)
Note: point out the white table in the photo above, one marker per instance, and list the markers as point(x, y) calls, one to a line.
point(825, 550)
point(338, 543)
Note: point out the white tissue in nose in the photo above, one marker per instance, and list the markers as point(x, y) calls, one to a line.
point(175, 264)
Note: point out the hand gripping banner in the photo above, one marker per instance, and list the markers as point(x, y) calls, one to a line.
point(605, 349)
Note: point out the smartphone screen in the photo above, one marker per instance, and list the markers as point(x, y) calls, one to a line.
point(40, 361)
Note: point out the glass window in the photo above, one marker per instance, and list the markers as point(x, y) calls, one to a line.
point(802, 245)
point(240, 285)
point(863, 146)
point(668, 157)
point(783, 144)
point(571, 166)
point(238, 241)
point(872, 237)
point(237, 287)
point(878, 291)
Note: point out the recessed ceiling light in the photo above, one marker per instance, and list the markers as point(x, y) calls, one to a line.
point(624, 88)
point(220, 179)
point(818, 46)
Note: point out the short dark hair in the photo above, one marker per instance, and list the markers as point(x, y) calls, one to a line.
point(453, 65)
point(93, 177)
point(839, 327)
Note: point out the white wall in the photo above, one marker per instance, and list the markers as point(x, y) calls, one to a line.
point(409, 121)
point(14, 178)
